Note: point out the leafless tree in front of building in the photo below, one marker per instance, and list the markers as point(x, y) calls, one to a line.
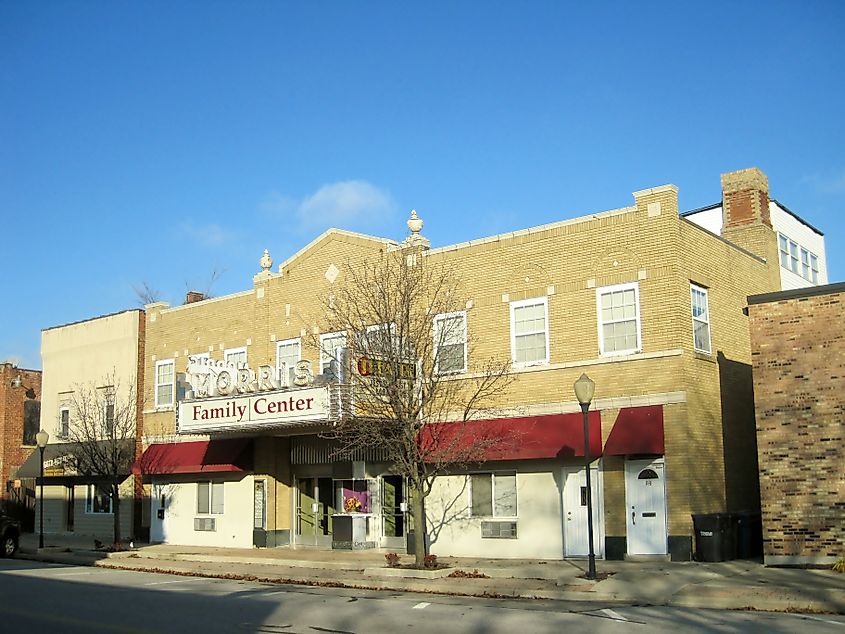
point(413, 367)
point(101, 437)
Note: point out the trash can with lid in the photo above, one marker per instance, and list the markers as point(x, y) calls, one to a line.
point(715, 537)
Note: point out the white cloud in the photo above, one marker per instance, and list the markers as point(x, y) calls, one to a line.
point(210, 235)
point(344, 204)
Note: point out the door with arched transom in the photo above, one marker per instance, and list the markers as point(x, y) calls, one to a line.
point(645, 494)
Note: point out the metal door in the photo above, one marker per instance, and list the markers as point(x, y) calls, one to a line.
point(645, 494)
point(575, 540)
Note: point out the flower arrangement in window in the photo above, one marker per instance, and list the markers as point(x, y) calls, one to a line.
point(352, 505)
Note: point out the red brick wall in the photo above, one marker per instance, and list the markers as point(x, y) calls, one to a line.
point(798, 353)
point(13, 452)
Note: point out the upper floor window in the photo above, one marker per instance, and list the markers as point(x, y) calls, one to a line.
point(236, 356)
point(165, 383)
point(64, 423)
point(450, 339)
point(700, 319)
point(530, 331)
point(108, 415)
point(288, 352)
point(330, 345)
point(797, 259)
point(618, 310)
point(31, 416)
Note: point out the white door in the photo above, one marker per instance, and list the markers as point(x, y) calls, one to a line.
point(575, 530)
point(158, 514)
point(645, 493)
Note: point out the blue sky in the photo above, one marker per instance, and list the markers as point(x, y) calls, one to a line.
point(160, 141)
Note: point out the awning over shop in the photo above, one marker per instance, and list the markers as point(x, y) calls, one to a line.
point(209, 456)
point(523, 438)
point(637, 430)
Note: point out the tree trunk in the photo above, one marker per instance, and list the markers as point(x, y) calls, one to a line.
point(418, 513)
point(115, 507)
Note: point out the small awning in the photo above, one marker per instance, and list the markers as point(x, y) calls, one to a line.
point(59, 462)
point(209, 456)
point(637, 430)
point(523, 438)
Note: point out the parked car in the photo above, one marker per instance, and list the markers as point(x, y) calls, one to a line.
point(10, 529)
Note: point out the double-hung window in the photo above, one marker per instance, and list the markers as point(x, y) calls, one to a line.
point(108, 415)
point(330, 345)
point(64, 423)
point(530, 331)
point(210, 498)
point(450, 343)
point(288, 352)
point(236, 356)
point(98, 499)
point(493, 494)
point(700, 318)
point(799, 260)
point(618, 310)
point(165, 385)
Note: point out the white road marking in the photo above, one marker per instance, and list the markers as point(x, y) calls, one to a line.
point(816, 618)
point(72, 574)
point(421, 606)
point(614, 615)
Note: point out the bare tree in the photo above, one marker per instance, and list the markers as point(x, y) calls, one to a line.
point(146, 294)
point(102, 437)
point(416, 385)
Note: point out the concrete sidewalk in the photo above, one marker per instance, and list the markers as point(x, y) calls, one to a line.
point(725, 585)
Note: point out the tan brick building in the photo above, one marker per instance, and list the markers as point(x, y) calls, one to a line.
point(798, 352)
point(646, 302)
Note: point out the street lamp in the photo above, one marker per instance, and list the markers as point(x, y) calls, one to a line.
point(584, 390)
point(41, 439)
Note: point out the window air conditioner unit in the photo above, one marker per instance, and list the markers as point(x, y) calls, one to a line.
point(205, 524)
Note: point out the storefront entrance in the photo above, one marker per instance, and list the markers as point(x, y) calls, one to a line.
point(314, 511)
point(393, 512)
point(575, 533)
point(645, 493)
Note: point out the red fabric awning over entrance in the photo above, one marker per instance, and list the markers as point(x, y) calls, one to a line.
point(524, 438)
point(637, 430)
point(210, 456)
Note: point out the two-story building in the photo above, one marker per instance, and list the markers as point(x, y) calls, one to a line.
point(641, 298)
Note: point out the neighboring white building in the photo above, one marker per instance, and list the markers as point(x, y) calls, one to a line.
point(803, 261)
point(102, 353)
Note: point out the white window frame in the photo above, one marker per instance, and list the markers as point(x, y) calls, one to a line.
point(61, 432)
point(694, 288)
point(90, 489)
point(492, 475)
point(108, 426)
point(159, 403)
point(215, 506)
point(439, 319)
point(798, 259)
point(235, 351)
point(604, 290)
point(329, 354)
point(279, 345)
point(514, 306)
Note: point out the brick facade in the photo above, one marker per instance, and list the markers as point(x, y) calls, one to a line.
point(798, 343)
point(710, 452)
point(13, 400)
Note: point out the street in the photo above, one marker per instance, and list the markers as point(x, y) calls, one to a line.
point(36, 596)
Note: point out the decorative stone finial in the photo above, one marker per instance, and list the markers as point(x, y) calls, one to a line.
point(266, 261)
point(415, 224)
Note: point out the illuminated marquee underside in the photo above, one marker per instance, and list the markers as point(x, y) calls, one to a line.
point(265, 410)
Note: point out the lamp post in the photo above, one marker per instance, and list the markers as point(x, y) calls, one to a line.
point(41, 439)
point(584, 390)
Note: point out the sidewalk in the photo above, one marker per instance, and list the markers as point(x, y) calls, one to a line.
point(725, 585)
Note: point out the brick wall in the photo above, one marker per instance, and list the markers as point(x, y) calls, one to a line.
point(13, 452)
point(798, 344)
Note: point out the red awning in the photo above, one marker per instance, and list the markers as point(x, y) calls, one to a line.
point(210, 456)
point(637, 430)
point(525, 438)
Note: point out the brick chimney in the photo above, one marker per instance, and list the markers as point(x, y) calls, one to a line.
point(746, 219)
point(745, 198)
point(194, 296)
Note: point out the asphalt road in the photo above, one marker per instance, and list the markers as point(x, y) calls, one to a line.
point(40, 597)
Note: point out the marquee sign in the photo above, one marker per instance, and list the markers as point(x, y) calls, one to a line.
point(229, 396)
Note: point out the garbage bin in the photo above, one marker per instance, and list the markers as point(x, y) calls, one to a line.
point(715, 537)
point(749, 534)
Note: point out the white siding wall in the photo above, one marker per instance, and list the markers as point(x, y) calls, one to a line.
point(233, 527)
point(93, 525)
point(454, 533)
